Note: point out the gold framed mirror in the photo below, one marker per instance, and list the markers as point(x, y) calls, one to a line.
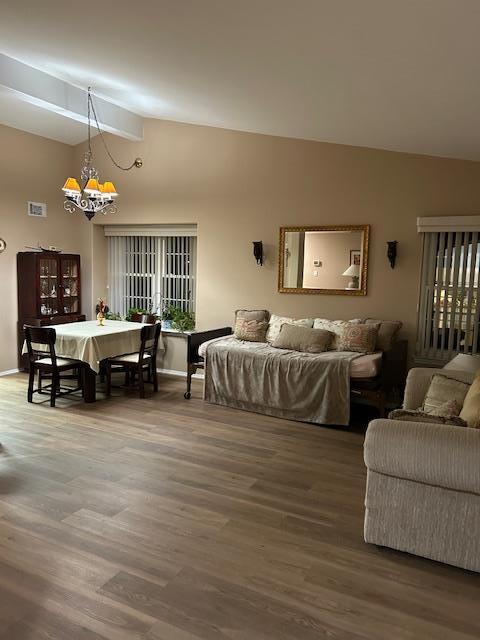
point(331, 260)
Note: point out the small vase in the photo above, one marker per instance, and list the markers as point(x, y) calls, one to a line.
point(100, 319)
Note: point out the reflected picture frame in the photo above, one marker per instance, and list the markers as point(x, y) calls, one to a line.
point(355, 257)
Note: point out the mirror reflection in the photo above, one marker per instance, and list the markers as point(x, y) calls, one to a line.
point(324, 260)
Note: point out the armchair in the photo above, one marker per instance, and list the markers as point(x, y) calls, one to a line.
point(423, 483)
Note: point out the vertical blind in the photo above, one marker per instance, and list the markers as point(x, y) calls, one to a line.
point(448, 315)
point(151, 272)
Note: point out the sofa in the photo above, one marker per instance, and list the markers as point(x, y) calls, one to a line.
point(371, 377)
point(423, 482)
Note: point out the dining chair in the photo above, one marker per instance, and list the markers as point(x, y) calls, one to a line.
point(144, 318)
point(47, 364)
point(137, 363)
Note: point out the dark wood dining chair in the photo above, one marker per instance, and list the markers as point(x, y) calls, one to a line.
point(137, 363)
point(144, 318)
point(48, 365)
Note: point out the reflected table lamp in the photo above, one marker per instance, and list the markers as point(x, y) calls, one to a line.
point(352, 272)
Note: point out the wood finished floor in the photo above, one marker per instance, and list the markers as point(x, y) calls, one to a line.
point(166, 519)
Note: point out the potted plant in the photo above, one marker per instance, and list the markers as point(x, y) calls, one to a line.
point(183, 321)
point(110, 315)
point(134, 311)
point(168, 316)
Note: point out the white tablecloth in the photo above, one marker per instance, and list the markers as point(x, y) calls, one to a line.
point(91, 343)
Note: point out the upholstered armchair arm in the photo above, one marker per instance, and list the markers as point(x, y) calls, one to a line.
point(418, 381)
point(434, 454)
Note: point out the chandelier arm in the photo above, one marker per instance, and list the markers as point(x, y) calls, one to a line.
point(91, 105)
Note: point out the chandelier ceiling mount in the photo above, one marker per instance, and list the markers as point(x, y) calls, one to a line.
point(94, 197)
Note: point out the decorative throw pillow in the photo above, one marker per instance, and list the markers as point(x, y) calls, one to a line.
point(250, 330)
point(276, 322)
point(303, 339)
point(334, 326)
point(260, 315)
point(420, 416)
point(387, 331)
point(442, 387)
point(448, 409)
point(358, 337)
point(471, 405)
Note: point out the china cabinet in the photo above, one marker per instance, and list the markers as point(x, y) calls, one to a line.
point(49, 291)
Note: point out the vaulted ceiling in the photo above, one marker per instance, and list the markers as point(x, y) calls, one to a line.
point(392, 74)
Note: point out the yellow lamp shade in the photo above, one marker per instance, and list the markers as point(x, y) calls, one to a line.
point(71, 185)
point(109, 189)
point(92, 186)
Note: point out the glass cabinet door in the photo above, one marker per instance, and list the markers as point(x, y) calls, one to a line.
point(49, 286)
point(70, 286)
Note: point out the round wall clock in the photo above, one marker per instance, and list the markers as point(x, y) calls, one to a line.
point(3, 245)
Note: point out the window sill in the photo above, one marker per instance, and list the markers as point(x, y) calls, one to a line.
point(177, 333)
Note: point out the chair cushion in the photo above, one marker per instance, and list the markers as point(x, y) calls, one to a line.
point(131, 358)
point(61, 362)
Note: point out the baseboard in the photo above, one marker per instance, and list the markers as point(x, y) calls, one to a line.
point(182, 374)
point(167, 372)
point(9, 372)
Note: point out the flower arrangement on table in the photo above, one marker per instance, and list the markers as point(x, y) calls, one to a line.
point(102, 310)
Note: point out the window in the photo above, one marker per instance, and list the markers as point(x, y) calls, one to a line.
point(448, 317)
point(151, 271)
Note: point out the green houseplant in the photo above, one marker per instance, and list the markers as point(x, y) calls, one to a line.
point(132, 311)
point(168, 315)
point(183, 320)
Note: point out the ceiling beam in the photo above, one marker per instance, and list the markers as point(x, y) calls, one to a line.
point(50, 93)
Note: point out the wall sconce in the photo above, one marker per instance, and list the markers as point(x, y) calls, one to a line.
point(392, 252)
point(258, 252)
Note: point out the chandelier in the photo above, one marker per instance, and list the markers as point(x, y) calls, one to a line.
point(94, 197)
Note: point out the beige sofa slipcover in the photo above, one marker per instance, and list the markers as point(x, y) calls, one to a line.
point(423, 483)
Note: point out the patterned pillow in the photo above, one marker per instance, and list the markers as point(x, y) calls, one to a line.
point(443, 388)
point(334, 326)
point(260, 315)
point(276, 322)
point(358, 337)
point(447, 409)
point(250, 330)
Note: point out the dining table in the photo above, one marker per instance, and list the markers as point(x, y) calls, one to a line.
point(91, 342)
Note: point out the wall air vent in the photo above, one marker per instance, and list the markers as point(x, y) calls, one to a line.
point(37, 209)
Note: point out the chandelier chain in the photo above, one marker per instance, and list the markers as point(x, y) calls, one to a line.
point(91, 108)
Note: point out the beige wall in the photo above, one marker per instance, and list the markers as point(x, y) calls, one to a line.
point(240, 187)
point(237, 187)
point(31, 168)
point(333, 251)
